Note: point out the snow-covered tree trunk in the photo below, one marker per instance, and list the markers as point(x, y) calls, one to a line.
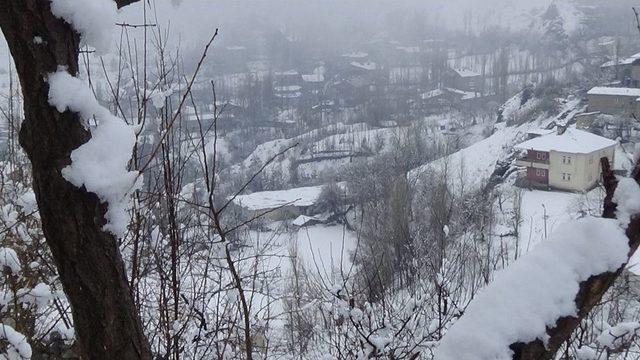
point(592, 290)
point(88, 260)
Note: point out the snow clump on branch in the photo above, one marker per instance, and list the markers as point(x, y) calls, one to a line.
point(92, 19)
point(101, 164)
point(535, 291)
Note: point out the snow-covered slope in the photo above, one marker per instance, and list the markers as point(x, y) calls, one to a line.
point(472, 166)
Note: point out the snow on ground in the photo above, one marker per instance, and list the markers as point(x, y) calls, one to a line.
point(544, 211)
point(477, 162)
point(470, 167)
point(325, 249)
point(323, 252)
point(322, 169)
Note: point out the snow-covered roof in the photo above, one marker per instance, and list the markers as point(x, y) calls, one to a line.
point(302, 220)
point(431, 94)
point(409, 49)
point(264, 200)
point(286, 73)
point(366, 66)
point(289, 95)
point(466, 95)
point(614, 91)
point(624, 61)
point(287, 88)
point(356, 55)
point(540, 132)
point(466, 72)
point(313, 78)
point(572, 141)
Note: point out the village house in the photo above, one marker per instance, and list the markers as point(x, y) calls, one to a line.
point(405, 67)
point(288, 86)
point(352, 91)
point(314, 83)
point(464, 79)
point(230, 114)
point(614, 100)
point(567, 159)
point(435, 101)
point(625, 71)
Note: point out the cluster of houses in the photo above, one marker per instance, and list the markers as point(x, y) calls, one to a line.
point(620, 97)
point(414, 81)
point(569, 158)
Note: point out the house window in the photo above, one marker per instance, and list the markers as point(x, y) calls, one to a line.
point(541, 156)
point(541, 172)
point(566, 177)
point(566, 160)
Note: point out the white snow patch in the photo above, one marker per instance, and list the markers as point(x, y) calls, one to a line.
point(469, 167)
point(617, 335)
point(586, 353)
point(39, 295)
point(18, 347)
point(158, 97)
point(94, 20)
point(302, 220)
point(535, 291)
point(627, 197)
point(304, 196)
point(100, 165)
point(614, 91)
point(27, 202)
point(9, 260)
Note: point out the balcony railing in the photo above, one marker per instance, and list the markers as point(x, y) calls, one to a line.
point(533, 160)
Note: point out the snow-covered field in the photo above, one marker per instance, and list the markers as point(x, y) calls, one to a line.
point(543, 212)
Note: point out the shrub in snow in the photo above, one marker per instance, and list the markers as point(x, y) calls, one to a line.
point(101, 164)
point(535, 291)
point(586, 353)
point(617, 335)
point(18, 347)
point(9, 260)
point(38, 296)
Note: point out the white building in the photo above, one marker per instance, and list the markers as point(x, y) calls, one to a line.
point(566, 159)
point(614, 100)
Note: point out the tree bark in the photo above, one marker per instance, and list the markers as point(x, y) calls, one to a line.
point(88, 259)
point(592, 290)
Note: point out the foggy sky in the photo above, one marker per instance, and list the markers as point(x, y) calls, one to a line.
point(193, 20)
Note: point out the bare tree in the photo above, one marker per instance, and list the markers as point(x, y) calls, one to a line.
point(88, 260)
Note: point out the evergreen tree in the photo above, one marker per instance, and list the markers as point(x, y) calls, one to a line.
point(554, 34)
